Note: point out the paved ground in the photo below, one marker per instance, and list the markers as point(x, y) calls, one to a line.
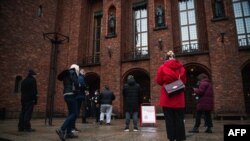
point(94, 132)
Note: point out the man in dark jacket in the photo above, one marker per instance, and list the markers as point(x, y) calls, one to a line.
point(204, 104)
point(106, 98)
point(70, 88)
point(28, 100)
point(131, 94)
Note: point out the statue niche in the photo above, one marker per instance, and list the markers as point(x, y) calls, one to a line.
point(111, 24)
point(218, 9)
point(159, 17)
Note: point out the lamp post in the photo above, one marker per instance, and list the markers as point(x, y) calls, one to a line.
point(56, 39)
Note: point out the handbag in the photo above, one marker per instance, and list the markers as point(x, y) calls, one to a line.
point(175, 87)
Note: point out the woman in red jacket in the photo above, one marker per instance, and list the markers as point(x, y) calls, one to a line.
point(173, 107)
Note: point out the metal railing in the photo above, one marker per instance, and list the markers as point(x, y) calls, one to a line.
point(91, 60)
point(191, 49)
point(134, 56)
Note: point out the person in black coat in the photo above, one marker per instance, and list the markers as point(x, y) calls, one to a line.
point(28, 100)
point(131, 94)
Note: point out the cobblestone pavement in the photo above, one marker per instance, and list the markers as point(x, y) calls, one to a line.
point(94, 132)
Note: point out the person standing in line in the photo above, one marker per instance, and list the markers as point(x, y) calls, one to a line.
point(106, 98)
point(80, 96)
point(173, 107)
point(28, 100)
point(204, 104)
point(70, 86)
point(131, 94)
point(96, 103)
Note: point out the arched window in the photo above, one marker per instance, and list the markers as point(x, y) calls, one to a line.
point(18, 84)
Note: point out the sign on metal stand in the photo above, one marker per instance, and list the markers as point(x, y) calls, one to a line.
point(147, 114)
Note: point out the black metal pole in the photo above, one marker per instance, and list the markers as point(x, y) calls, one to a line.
point(56, 39)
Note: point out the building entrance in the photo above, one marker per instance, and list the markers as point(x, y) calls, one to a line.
point(246, 88)
point(192, 71)
point(142, 78)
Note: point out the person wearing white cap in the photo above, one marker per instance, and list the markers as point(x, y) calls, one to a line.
point(70, 88)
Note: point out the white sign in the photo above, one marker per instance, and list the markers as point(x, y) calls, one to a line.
point(148, 114)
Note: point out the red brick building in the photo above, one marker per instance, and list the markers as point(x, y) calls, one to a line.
point(208, 36)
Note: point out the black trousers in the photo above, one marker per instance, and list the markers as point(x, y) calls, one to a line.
point(174, 119)
point(207, 118)
point(25, 115)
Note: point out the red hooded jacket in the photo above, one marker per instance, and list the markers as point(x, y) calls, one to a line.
point(167, 73)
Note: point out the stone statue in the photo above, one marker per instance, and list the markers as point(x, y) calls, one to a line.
point(159, 16)
point(111, 24)
point(218, 8)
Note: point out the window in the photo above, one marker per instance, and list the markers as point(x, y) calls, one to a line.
point(97, 36)
point(18, 84)
point(188, 26)
point(141, 30)
point(242, 20)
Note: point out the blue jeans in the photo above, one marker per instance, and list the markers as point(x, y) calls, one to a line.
point(135, 119)
point(72, 113)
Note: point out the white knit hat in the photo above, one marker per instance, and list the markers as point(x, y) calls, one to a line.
point(76, 67)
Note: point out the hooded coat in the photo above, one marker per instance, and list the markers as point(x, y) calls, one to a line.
point(205, 93)
point(131, 94)
point(168, 72)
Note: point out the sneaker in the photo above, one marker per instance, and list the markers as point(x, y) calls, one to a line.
point(126, 129)
point(60, 134)
point(75, 130)
point(136, 129)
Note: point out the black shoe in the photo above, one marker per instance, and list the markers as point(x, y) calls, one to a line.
point(60, 134)
point(136, 129)
point(194, 130)
point(208, 130)
point(71, 135)
point(30, 130)
point(126, 129)
point(101, 122)
point(108, 124)
point(20, 129)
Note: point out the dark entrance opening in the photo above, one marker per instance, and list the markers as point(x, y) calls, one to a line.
point(192, 71)
point(246, 89)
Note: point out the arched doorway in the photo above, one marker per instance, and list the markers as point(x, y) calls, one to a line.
point(142, 78)
point(192, 71)
point(246, 83)
point(93, 82)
